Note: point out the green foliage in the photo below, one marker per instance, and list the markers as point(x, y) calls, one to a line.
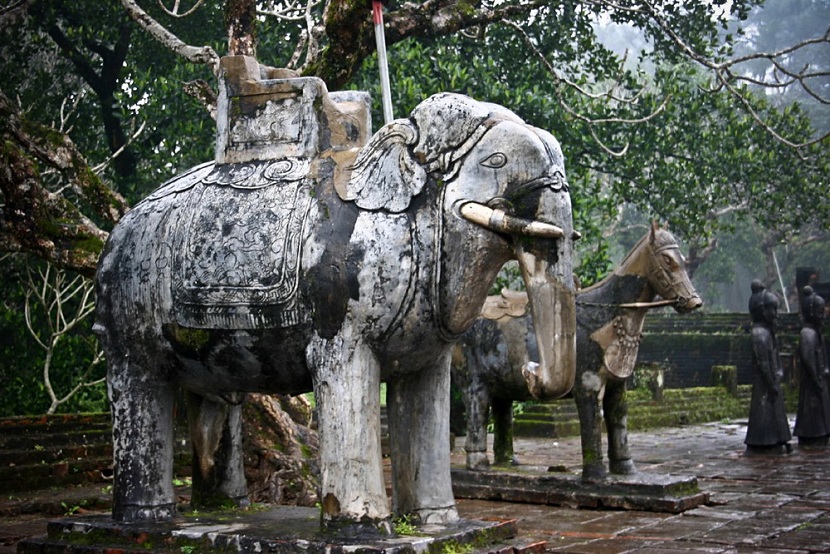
point(509, 277)
point(701, 154)
point(455, 547)
point(403, 526)
point(21, 374)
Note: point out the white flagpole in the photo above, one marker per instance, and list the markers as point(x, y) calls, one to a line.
point(380, 39)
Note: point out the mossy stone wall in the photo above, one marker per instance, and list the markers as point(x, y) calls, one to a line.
point(689, 345)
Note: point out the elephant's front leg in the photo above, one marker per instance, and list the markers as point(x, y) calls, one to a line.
point(587, 396)
point(347, 390)
point(142, 436)
point(419, 434)
point(615, 408)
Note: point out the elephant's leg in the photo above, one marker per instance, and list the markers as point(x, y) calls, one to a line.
point(347, 391)
point(615, 408)
point(419, 433)
point(503, 431)
point(218, 470)
point(477, 405)
point(587, 397)
point(142, 417)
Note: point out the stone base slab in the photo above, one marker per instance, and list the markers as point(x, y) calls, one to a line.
point(281, 529)
point(653, 493)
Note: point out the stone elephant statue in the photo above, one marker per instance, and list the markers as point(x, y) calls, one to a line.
point(487, 364)
point(307, 257)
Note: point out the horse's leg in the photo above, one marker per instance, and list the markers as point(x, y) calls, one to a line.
point(587, 391)
point(616, 423)
point(218, 470)
point(503, 431)
point(347, 390)
point(419, 435)
point(142, 435)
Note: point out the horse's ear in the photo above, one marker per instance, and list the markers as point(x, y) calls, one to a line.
point(386, 176)
point(652, 232)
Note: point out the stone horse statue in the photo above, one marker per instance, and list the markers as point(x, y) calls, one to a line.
point(610, 317)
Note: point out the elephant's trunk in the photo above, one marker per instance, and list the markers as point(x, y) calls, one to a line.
point(553, 308)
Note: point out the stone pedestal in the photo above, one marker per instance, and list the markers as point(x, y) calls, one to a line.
point(282, 529)
point(655, 493)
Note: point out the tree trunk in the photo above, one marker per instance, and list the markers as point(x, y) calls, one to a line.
point(280, 450)
point(240, 20)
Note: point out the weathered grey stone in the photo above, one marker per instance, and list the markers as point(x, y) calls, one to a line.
point(768, 430)
point(491, 368)
point(655, 493)
point(281, 529)
point(303, 258)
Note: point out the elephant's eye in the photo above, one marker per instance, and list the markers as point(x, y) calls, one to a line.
point(495, 161)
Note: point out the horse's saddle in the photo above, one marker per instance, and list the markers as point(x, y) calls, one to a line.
point(507, 304)
point(237, 246)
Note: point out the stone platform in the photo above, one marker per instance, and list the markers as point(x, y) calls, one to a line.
point(535, 485)
point(281, 529)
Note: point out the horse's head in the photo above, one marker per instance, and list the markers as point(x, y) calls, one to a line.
point(667, 271)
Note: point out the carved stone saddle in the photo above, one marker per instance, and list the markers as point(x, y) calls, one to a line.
point(237, 245)
point(507, 304)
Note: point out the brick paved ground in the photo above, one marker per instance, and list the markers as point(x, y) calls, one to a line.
point(775, 504)
point(765, 504)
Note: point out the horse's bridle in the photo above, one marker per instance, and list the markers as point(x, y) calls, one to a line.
point(666, 281)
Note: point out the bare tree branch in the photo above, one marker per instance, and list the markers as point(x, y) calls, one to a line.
point(608, 95)
point(50, 293)
point(201, 91)
point(194, 54)
point(101, 166)
point(14, 10)
point(174, 11)
point(726, 76)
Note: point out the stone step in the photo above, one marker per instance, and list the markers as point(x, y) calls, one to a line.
point(80, 436)
point(19, 457)
point(545, 429)
point(687, 398)
point(699, 411)
point(25, 425)
point(20, 478)
point(679, 407)
point(67, 472)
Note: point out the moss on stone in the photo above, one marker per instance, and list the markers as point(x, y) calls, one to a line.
point(194, 339)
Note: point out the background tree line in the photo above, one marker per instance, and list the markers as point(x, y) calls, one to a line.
point(711, 117)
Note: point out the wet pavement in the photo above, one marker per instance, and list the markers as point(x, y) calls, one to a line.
point(767, 504)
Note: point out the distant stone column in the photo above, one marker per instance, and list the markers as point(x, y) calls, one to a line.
point(726, 376)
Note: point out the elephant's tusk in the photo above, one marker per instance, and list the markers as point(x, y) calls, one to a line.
point(501, 222)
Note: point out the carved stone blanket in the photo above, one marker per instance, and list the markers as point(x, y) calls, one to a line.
point(237, 245)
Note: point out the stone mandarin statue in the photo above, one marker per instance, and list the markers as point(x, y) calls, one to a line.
point(812, 422)
point(768, 430)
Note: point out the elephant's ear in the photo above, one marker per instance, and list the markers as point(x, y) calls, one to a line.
point(385, 175)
